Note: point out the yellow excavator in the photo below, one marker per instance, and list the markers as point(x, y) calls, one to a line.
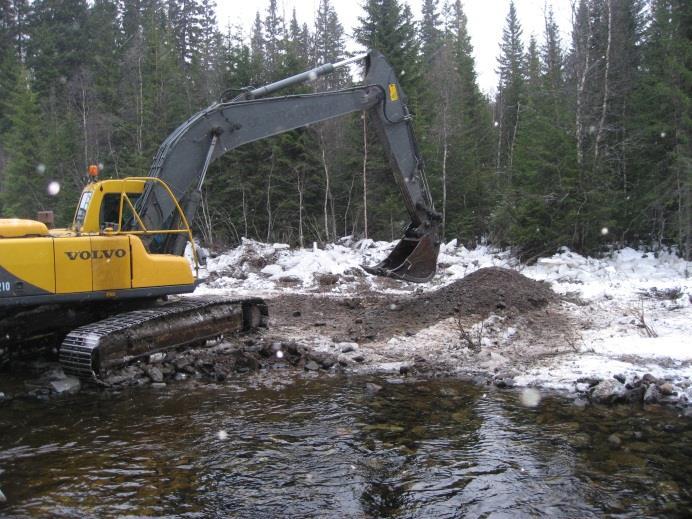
point(100, 287)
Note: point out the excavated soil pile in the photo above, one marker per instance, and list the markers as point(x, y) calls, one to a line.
point(376, 317)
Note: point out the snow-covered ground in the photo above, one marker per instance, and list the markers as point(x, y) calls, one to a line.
point(633, 309)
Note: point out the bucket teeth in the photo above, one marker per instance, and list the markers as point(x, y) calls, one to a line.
point(413, 259)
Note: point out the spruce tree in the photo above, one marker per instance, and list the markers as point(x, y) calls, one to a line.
point(25, 176)
point(660, 182)
point(510, 91)
point(430, 31)
point(471, 151)
point(387, 26)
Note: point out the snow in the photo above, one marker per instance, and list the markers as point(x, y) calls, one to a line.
point(634, 307)
point(616, 293)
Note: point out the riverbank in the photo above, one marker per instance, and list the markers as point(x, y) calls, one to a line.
point(606, 330)
point(624, 319)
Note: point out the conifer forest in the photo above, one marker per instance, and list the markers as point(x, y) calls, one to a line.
point(587, 142)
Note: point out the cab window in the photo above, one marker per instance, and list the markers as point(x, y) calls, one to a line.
point(82, 209)
point(110, 212)
point(110, 209)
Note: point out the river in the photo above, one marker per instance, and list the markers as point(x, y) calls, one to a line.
point(362, 447)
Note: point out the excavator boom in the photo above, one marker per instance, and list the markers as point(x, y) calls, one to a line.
point(184, 157)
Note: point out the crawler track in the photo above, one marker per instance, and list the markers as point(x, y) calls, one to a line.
point(90, 351)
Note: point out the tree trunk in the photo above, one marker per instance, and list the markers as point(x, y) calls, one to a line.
point(85, 131)
point(445, 152)
point(327, 189)
point(301, 186)
point(140, 108)
point(269, 202)
point(206, 222)
point(498, 124)
point(365, 176)
point(579, 118)
point(604, 106)
point(244, 206)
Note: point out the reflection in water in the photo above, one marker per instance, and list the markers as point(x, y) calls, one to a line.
point(328, 447)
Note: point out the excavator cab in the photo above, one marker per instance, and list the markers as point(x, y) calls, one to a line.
point(101, 256)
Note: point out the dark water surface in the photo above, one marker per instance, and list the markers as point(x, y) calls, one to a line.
point(328, 447)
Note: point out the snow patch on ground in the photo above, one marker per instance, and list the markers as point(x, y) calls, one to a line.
point(632, 309)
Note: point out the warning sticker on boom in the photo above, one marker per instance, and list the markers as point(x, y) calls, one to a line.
point(393, 93)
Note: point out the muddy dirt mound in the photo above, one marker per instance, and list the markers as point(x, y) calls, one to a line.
point(374, 317)
point(491, 289)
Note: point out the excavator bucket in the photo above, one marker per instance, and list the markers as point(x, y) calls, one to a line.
point(413, 259)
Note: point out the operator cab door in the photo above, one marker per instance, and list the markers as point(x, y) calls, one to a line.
point(110, 253)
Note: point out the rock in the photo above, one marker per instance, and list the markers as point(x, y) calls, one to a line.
point(504, 382)
point(320, 323)
point(327, 279)
point(67, 385)
point(3, 499)
point(189, 369)
point(372, 388)
point(132, 372)
point(635, 395)
point(159, 385)
point(652, 395)
point(181, 362)
point(327, 362)
point(590, 381)
point(311, 365)
point(290, 280)
point(608, 391)
point(180, 376)
point(580, 440)
point(614, 441)
point(347, 347)
point(37, 367)
point(580, 387)
point(358, 358)
point(296, 313)
point(343, 360)
point(649, 379)
point(115, 380)
point(620, 378)
point(403, 370)
point(157, 357)
point(154, 373)
point(666, 389)
point(167, 369)
point(3, 397)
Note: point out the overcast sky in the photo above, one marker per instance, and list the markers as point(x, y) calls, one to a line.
point(486, 20)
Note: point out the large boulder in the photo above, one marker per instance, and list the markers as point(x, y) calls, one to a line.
point(608, 391)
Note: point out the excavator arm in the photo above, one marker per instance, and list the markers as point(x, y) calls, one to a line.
point(184, 157)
